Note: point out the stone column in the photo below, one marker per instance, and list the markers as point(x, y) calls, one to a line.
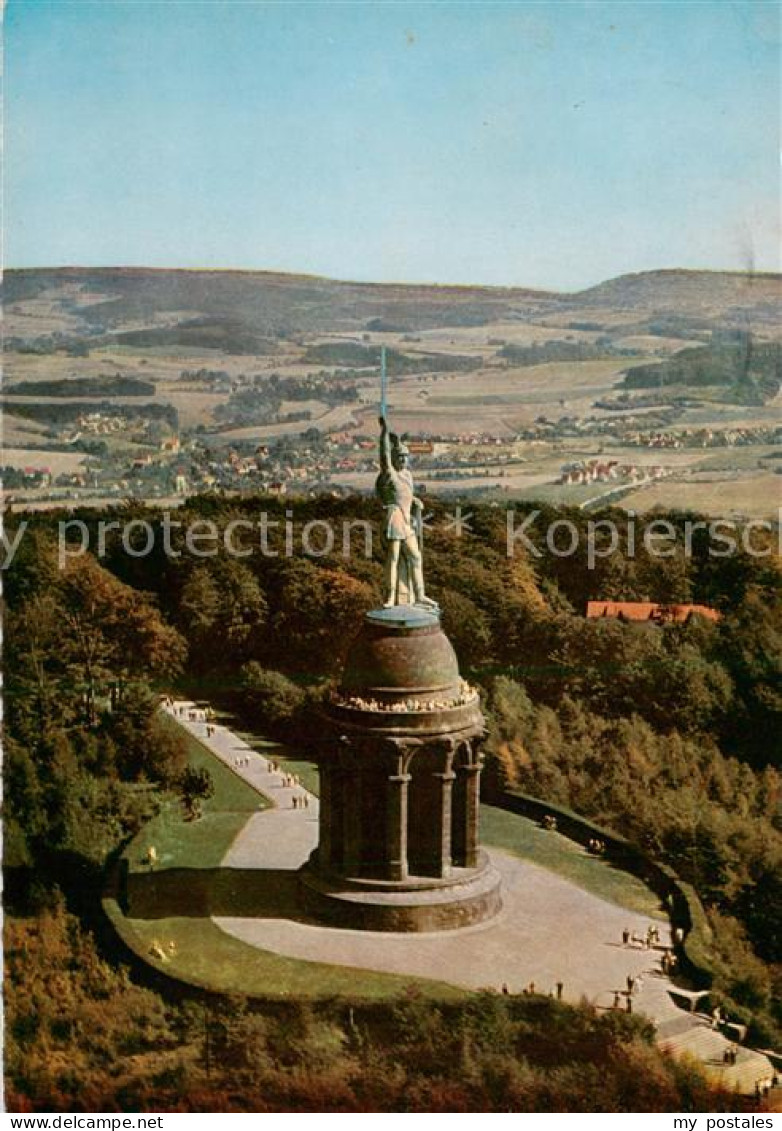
point(458, 817)
point(351, 786)
point(442, 823)
point(439, 788)
point(472, 774)
point(396, 826)
point(327, 817)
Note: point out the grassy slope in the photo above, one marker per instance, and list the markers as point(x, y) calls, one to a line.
point(556, 852)
point(202, 843)
point(206, 956)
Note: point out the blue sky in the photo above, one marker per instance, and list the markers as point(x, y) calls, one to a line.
point(542, 144)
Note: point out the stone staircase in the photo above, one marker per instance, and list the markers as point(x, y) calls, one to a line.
point(692, 1036)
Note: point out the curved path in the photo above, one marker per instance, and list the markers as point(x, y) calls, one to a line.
point(549, 931)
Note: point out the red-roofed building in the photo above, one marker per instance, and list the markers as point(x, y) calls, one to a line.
point(649, 611)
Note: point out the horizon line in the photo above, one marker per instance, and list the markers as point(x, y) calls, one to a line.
point(291, 274)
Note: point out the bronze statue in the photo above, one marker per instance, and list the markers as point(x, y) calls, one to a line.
point(404, 575)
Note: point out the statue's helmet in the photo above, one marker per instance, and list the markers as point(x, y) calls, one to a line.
point(399, 449)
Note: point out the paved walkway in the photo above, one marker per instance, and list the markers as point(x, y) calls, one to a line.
point(257, 770)
point(515, 948)
point(548, 931)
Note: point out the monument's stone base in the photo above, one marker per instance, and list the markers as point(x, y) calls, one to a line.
point(419, 903)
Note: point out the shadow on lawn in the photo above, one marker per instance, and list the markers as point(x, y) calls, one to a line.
point(252, 893)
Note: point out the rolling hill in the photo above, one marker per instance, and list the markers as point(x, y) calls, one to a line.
point(93, 301)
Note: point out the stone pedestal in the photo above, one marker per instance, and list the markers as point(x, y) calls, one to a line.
point(400, 767)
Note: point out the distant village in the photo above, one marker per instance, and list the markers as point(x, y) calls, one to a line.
point(133, 456)
point(140, 452)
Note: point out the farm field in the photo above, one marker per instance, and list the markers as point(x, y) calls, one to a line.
point(149, 363)
point(502, 398)
point(57, 462)
point(340, 417)
point(745, 495)
point(18, 431)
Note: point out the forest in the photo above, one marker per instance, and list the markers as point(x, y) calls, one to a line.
point(562, 350)
point(667, 734)
point(753, 370)
point(61, 414)
point(117, 385)
point(363, 356)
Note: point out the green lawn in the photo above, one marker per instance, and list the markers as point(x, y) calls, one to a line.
point(202, 843)
point(552, 850)
point(206, 956)
point(185, 844)
point(231, 791)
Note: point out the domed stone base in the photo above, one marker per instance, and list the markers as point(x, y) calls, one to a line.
point(419, 903)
